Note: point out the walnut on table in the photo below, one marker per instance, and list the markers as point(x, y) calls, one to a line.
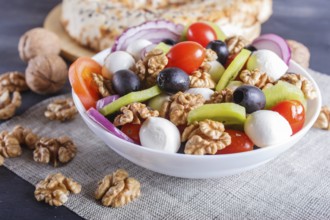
point(55, 189)
point(134, 113)
point(302, 83)
point(117, 189)
point(149, 68)
point(55, 151)
point(8, 104)
point(9, 145)
point(205, 137)
point(25, 136)
point(323, 120)
point(256, 78)
point(61, 110)
point(235, 44)
point(179, 106)
point(2, 160)
point(13, 81)
point(225, 95)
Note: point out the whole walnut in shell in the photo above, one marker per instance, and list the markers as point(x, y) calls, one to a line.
point(38, 41)
point(46, 74)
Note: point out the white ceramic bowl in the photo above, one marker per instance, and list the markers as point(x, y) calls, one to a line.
point(192, 166)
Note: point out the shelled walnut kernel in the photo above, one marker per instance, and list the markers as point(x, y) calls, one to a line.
point(2, 160)
point(8, 104)
point(61, 110)
point(55, 189)
point(225, 95)
point(13, 81)
point(323, 120)
point(255, 78)
point(117, 189)
point(235, 44)
point(55, 151)
point(25, 136)
point(134, 113)
point(205, 137)
point(9, 145)
point(302, 83)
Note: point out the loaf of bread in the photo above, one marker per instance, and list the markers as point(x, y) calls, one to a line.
point(96, 23)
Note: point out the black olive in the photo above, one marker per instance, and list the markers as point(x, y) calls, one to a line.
point(220, 48)
point(173, 80)
point(250, 97)
point(125, 81)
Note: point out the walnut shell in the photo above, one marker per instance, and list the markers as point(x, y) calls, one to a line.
point(38, 41)
point(46, 74)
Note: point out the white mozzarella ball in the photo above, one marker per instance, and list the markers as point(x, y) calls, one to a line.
point(135, 47)
point(267, 128)
point(160, 134)
point(119, 60)
point(205, 92)
point(269, 62)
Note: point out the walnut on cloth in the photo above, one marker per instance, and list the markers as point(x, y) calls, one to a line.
point(61, 110)
point(179, 106)
point(149, 68)
point(255, 78)
point(205, 137)
point(25, 136)
point(302, 83)
point(54, 150)
point(323, 120)
point(225, 95)
point(117, 189)
point(9, 145)
point(55, 189)
point(13, 81)
point(235, 44)
point(9, 103)
point(134, 113)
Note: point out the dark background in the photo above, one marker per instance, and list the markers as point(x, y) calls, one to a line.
point(303, 20)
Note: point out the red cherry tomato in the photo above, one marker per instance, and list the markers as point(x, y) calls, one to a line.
point(294, 112)
point(240, 142)
point(132, 131)
point(81, 80)
point(187, 55)
point(201, 33)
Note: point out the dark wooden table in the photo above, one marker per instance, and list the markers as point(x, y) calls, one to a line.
point(304, 20)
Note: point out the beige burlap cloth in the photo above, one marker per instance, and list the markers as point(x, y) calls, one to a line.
point(296, 185)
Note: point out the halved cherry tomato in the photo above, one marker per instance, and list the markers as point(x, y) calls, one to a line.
point(187, 55)
point(132, 131)
point(201, 33)
point(240, 142)
point(80, 76)
point(294, 112)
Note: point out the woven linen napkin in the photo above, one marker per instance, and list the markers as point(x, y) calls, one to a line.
point(296, 185)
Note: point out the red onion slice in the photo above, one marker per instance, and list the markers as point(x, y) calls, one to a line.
point(107, 100)
point(154, 31)
point(107, 125)
point(274, 43)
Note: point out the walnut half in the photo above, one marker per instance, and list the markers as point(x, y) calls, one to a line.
point(205, 137)
point(2, 160)
point(61, 110)
point(117, 189)
point(13, 81)
point(55, 189)
point(8, 104)
point(55, 151)
point(25, 136)
point(323, 121)
point(9, 145)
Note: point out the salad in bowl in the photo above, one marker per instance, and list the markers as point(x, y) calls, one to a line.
point(191, 102)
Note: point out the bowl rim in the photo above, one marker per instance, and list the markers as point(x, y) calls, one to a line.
point(101, 55)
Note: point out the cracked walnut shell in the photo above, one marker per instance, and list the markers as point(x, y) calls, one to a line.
point(61, 110)
point(149, 68)
point(205, 137)
point(117, 189)
point(13, 81)
point(302, 83)
point(323, 120)
point(134, 113)
point(55, 189)
point(8, 104)
point(55, 151)
point(9, 145)
point(180, 105)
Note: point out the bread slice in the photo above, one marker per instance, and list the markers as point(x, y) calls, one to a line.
point(96, 24)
